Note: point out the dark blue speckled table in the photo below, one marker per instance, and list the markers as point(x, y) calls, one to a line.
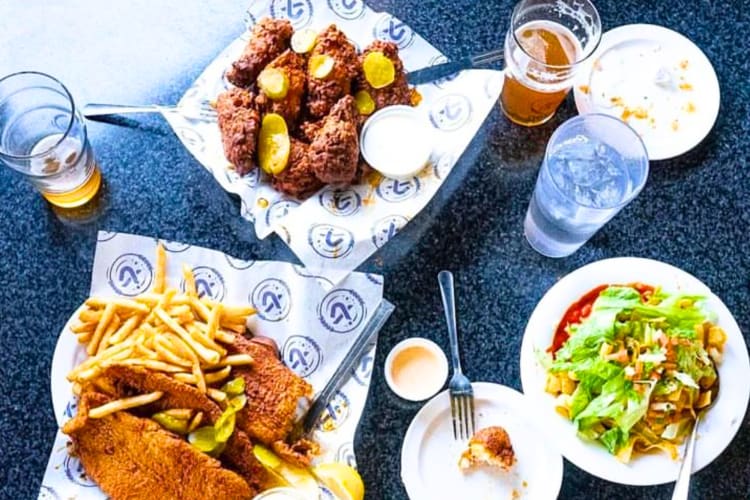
point(694, 212)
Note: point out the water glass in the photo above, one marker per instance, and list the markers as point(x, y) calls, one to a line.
point(43, 136)
point(594, 165)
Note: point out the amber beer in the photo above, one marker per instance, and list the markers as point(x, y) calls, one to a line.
point(542, 54)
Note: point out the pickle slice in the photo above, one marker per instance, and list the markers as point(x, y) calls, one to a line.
point(365, 104)
point(273, 144)
point(274, 83)
point(303, 40)
point(321, 65)
point(174, 424)
point(379, 70)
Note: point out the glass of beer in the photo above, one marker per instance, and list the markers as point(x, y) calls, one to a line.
point(43, 136)
point(547, 42)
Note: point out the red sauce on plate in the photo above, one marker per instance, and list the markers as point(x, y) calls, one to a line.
point(581, 308)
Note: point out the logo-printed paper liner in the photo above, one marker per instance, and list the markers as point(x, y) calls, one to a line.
point(314, 326)
point(336, 229)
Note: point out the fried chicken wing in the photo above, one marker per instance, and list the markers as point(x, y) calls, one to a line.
point(397, 92)
point(298, 178)
point(323, 93)
point(239, 123)
point(334, 152)
point(293, 66)
point(131, 457)
point(269, 38)
point(276, 396)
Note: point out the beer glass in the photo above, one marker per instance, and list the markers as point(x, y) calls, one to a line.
point(43, 136)
point(547, 42)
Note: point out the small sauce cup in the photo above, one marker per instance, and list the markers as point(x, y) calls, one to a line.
point(416, 369)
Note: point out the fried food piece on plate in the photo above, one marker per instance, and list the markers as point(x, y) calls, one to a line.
point(489, 446)
point(334, 151)
point(288, 103)
point(397, 92)
point(135, 458)
point(299, 453)
point(239, 123)
point(269, 38)
point(276, 396)
point(323, 92)
point(124, 381)
point(298, 179)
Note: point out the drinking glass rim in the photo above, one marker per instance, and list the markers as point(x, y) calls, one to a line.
point(67, 129)
point(556, 66)
point(581, 118)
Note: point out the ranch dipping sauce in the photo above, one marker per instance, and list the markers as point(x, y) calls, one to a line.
point(396, 142)
point(416, 369)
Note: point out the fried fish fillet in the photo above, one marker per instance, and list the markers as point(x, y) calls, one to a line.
point(135, 458)
point(125, 381)
point(276, 396)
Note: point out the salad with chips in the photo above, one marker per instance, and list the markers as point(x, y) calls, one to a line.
point(632, 365)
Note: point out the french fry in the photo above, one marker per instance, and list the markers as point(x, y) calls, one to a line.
point(217, 376)
point(88, 316)
point(197, 419)
point(124, 404)
point(145, 352)
point(84, 337)
point(235, 360)
point(185, 378)
point(114, 325)
point(158, 366)
point(213, 321)
point(181, 413)
point(109, 312)
point(119, 302)
point(150, 299)
point(200, 382)
point(182, 349)
point(125, 330)
point(203, 311)
point(235, 327)
point(164, 350)
point(217, 395)
point(189, 278)
point(225, 337)
point(206, 354)
point(236, 314)
point(88, 326)
point(161, 269)
point(203, 339)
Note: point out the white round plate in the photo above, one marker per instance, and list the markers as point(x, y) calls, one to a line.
point(68, 354)
point(673, 115)
point(429, 456)
point(720, 423)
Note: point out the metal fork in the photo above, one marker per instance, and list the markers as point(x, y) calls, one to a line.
point(201, 110)
point(461, 393)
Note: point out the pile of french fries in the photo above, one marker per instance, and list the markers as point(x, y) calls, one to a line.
point(173, 332)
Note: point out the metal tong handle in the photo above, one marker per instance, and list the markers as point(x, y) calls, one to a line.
point(445, 279)
point(344, 370)
point(438, 71)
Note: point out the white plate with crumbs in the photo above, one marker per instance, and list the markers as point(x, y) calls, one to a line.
point(657, 81)
point(717, 428)
point(430, 455)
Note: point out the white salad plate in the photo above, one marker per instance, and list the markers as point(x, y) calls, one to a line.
point(717, 428)
point(430, 455)
point(656, 80)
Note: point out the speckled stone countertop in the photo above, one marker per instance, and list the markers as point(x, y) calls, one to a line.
point(694, 212)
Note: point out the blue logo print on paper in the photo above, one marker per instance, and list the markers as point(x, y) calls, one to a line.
point(130, 274)
point(299, 12)
point(340, 202)
point(209, 283)
point(47, 493)
point(249, 19)
point(363, 371)
point(390, 29)
point(272, 299)
point(394, 190)
point(347, 9)
point(279, 210)
point(251, 178)
point(105, 235)
point(325, 493)
point(341, 311)
point(335, 414)
point(374, 278)
point(386, 228)
point(443, 166)
point(302, 354)
point(71, 408)
point(76, 474)
point(239, 264)
point(330, 241)
point(450, 112)
point(441, 59)
point(174, 246)
point(345, 454)
point(191, 138)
